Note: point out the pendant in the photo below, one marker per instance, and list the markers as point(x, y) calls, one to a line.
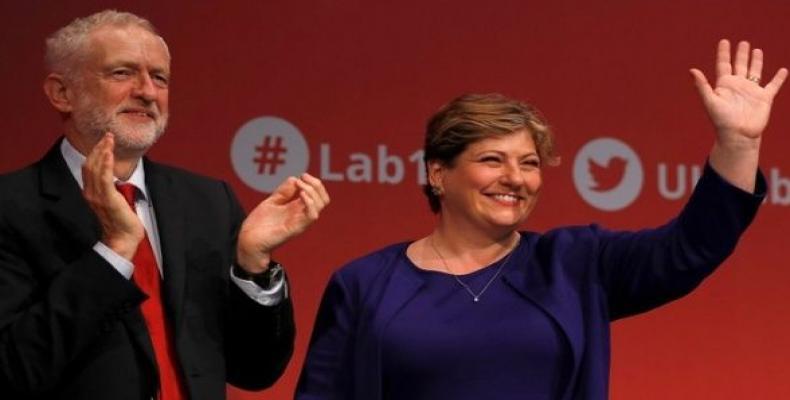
point(476, 299)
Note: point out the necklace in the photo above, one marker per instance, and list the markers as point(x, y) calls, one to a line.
point(475, 296)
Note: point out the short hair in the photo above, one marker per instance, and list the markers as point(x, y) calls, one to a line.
point(472, 117)
point(67, 44)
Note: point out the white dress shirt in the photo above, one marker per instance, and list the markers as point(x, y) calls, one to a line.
point(145, 211)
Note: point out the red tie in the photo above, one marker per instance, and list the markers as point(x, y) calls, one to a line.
point(146, 276)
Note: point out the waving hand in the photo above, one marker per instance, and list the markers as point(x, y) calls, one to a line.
point(739, 108)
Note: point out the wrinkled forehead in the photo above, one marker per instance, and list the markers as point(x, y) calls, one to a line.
point(126, 40)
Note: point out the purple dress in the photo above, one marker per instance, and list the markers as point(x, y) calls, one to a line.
point(442, 345)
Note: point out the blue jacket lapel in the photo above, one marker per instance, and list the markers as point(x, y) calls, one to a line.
point(550, 292)
point(403, 284)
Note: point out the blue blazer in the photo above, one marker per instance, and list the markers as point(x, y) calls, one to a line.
point(581, 277)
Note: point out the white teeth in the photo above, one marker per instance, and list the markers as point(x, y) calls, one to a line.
point(506, 197)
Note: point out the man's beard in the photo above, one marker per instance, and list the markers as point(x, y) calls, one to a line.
point(130, 138)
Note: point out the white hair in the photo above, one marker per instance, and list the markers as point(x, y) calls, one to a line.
point(65, 47)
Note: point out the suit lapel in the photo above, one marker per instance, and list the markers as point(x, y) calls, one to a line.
point(402, 286)
point(167, 202)
point(76, 221)
point(552, 294)
point(69, 211)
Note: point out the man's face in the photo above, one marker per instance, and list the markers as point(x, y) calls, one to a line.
point(121, 87)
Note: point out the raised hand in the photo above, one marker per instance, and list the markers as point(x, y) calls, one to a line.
point(738, 104)
point(287, 212)
point(121, 229)
point(739, 108)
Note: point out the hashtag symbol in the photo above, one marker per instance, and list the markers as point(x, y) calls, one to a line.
point(270, 156)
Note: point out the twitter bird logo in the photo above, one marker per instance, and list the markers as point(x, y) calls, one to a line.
point(608, 174)
point(606, 177)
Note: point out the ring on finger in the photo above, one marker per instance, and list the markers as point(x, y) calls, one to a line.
point(754, 78)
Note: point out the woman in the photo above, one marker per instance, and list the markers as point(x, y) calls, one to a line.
point(477, 310)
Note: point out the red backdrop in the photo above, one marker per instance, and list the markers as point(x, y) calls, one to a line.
point(353, 76)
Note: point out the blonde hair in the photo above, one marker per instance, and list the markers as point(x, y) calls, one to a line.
point(473, 117)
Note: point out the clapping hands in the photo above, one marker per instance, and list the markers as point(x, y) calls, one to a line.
point(287, 212)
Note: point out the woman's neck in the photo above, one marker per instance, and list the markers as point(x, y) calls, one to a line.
point(467, 250)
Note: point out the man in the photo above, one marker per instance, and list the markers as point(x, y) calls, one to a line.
point(121, 278)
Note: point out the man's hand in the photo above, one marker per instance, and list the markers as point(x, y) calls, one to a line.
point(121, 229)
point(287, 212)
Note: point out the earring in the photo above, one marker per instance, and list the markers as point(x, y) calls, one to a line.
point(436, 191)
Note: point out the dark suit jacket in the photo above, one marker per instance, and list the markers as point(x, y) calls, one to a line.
point(70, 325)
point(580, 277)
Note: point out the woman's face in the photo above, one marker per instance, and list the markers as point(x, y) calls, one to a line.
point(493, 184)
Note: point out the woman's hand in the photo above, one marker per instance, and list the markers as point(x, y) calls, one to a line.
point(739, 109)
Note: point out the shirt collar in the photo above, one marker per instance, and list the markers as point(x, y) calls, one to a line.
point(74, 160)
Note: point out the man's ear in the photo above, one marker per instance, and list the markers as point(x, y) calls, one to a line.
point(57, 92)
